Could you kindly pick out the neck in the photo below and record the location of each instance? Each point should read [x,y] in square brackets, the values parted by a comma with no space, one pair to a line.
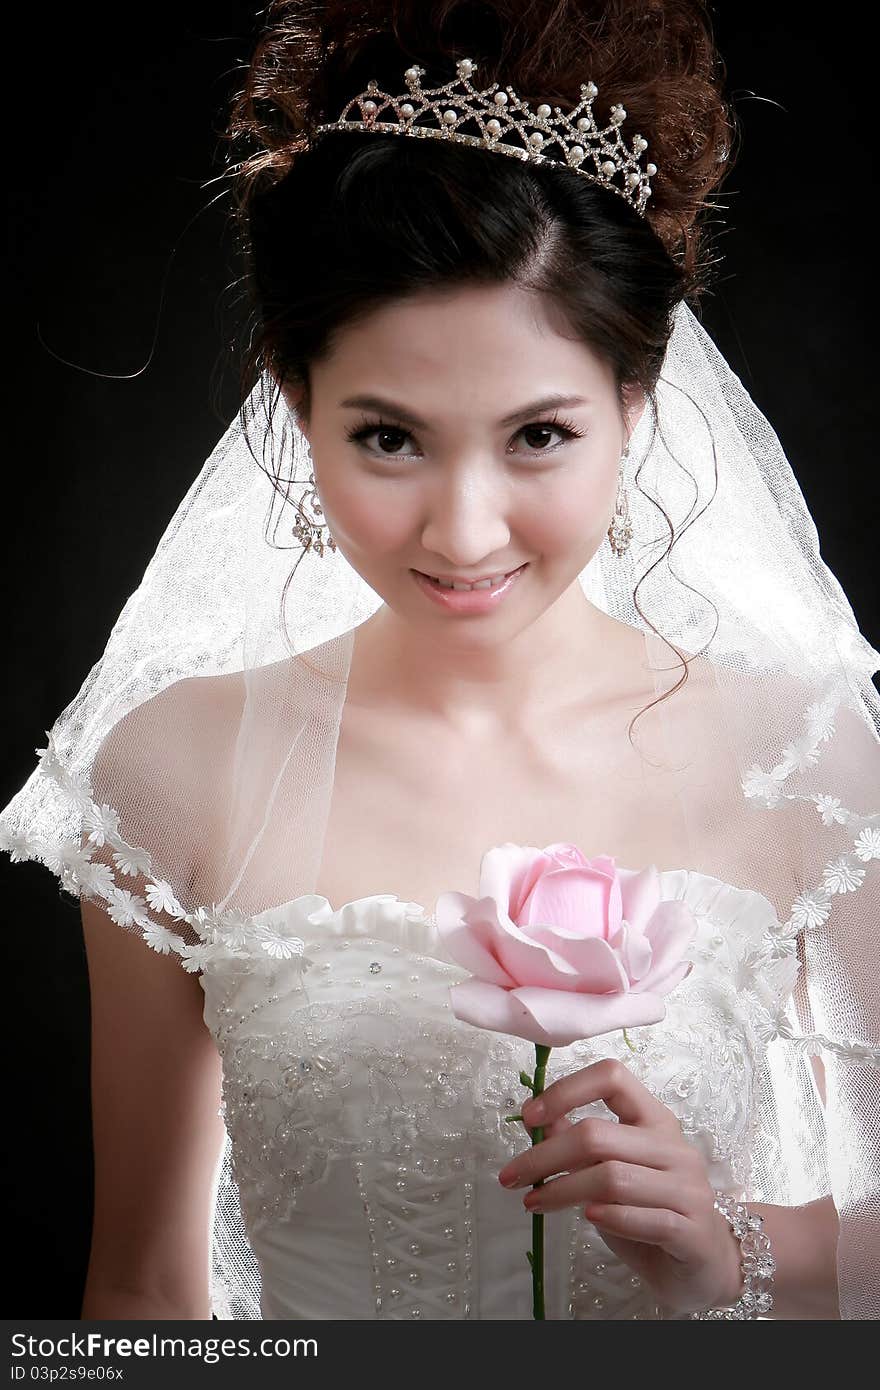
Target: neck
[572,651]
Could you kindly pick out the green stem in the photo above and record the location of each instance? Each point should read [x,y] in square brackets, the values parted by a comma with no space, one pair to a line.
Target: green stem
[537,1257]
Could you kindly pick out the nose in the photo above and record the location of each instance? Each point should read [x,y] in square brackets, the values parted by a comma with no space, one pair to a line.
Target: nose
[466,520]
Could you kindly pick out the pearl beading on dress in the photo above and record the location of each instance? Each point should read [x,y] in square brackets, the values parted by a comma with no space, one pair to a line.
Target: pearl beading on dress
[412,1234]
[434,1135]
[598,1285]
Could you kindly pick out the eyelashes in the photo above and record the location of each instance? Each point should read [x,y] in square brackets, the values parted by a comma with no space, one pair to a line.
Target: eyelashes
[358,433]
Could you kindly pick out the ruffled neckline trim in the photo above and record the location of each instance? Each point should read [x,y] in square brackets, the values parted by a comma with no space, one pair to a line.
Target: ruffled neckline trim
[385,916]
[743,917]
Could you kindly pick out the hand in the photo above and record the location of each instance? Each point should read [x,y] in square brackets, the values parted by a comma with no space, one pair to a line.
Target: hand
[642,1184]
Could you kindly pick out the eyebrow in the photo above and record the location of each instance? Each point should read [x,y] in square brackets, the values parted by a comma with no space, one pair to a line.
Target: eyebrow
[378,403]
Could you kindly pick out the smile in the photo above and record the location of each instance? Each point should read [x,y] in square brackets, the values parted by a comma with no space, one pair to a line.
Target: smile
[480,597]
[476,584]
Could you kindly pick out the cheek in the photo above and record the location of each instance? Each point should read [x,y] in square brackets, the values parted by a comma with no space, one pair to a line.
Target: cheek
[365,513]
[573,511]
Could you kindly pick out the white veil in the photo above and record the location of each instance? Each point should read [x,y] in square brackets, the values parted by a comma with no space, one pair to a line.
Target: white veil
[187,785]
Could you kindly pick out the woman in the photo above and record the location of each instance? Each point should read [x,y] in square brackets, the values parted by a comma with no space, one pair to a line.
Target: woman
[489,364]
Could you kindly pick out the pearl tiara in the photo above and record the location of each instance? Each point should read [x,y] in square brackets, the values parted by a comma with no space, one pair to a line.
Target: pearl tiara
[574,139]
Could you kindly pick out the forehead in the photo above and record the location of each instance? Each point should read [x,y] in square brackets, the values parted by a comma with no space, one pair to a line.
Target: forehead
[488,345]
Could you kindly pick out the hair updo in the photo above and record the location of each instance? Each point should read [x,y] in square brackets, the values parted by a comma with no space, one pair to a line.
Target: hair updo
[335,229]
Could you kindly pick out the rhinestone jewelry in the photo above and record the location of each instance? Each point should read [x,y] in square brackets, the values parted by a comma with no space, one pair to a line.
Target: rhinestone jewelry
[620,532]
[500,122]
[758,1265]
[308,530]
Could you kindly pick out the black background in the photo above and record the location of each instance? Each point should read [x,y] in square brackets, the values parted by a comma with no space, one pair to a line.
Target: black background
[112,138]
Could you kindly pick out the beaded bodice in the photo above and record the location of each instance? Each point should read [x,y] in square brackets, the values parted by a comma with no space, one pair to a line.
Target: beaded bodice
[368,1123]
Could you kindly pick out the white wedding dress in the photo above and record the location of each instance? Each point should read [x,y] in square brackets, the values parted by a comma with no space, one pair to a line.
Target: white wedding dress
[367,1123]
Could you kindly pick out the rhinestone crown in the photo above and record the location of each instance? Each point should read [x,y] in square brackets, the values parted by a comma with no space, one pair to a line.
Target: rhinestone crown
[497,120]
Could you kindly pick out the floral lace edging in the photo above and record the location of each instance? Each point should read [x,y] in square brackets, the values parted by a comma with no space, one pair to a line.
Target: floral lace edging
[221,932]
[843,873]
[229,932]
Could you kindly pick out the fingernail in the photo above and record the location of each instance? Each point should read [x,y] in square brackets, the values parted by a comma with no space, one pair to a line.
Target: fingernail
[534,1111]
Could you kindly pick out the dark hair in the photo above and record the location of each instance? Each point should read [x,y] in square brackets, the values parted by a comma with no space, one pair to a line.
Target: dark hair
[333,227]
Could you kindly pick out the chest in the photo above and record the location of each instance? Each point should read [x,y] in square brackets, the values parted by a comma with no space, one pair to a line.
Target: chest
[415,808]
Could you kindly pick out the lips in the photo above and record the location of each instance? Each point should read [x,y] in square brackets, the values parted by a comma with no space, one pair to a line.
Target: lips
[493,578]
[467,601]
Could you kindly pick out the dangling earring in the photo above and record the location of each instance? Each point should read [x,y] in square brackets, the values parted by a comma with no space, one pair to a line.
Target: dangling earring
[620,531]
[307,530]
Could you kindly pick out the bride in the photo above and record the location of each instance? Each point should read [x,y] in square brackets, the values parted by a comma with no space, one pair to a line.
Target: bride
[556,587]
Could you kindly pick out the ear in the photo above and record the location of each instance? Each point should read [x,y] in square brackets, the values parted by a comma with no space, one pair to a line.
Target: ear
[293,399]
[635,401]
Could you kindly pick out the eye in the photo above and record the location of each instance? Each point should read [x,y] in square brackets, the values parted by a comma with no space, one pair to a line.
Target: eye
[566,428]
[358,433]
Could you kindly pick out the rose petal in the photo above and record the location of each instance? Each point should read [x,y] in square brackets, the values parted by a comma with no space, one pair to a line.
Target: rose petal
[508,874]
[599,968]
[641,892]
[634,952]
[670,931]
[576,899]
[530,962]
[664,984]
[550,1016]
[605,863]
[500,953]
[467,934]
[566,855]
[487,1006]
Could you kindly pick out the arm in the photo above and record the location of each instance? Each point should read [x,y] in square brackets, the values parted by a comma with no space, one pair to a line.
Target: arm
[803,1242]
[158,1137]
[813,1254]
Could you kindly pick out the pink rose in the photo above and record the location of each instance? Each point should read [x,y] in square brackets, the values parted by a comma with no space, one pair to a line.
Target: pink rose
[562,947]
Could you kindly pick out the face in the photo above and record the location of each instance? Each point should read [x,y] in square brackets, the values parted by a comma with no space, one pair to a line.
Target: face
[453,469]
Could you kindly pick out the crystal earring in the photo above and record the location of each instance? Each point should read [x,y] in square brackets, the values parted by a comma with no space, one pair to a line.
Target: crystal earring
[620,531]
[307,530]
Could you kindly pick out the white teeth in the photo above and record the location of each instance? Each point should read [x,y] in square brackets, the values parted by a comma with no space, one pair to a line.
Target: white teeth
[481,584]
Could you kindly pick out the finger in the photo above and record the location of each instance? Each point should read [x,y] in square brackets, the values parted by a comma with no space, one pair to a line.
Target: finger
[555,1128]
[623,1184]
[558,1126]
[595,1140]
[651,1225]
[608,1080]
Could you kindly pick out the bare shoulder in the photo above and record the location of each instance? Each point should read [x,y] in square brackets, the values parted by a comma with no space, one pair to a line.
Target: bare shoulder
[186,715]
[713,682]
[181,766]
[160,768]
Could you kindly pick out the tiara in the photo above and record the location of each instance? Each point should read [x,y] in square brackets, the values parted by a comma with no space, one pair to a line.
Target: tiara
[573,139]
